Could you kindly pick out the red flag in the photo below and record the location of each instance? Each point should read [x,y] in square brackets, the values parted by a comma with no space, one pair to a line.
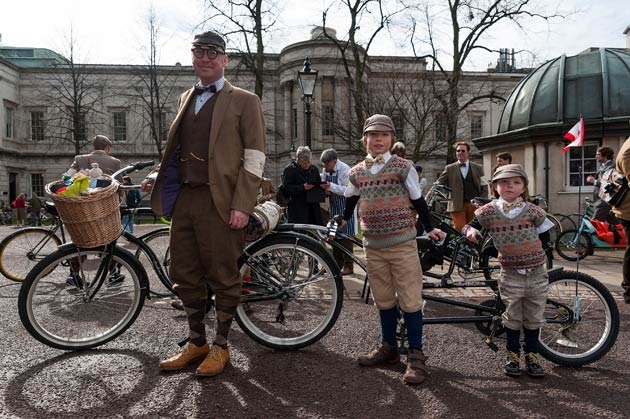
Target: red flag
[575,135]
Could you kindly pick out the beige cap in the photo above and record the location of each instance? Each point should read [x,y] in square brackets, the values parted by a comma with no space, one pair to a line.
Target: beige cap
[378,122]
[508,171]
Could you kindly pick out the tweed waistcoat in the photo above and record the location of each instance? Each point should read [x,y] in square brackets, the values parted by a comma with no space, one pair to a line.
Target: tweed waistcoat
[470,189]
[194,138]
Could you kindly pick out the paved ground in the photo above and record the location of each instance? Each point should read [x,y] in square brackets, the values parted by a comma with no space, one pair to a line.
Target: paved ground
[121,380]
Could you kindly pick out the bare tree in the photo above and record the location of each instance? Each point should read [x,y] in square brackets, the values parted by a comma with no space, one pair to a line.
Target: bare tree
[72,94]
[248,22]
[154,86]
[470,22]
[354,51]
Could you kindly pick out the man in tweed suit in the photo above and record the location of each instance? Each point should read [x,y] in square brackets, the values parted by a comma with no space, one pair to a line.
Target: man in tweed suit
[108,164]
[465,179]
[208,181]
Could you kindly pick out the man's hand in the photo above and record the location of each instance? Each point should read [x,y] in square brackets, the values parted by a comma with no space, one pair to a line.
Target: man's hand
[238,219]
[436,234]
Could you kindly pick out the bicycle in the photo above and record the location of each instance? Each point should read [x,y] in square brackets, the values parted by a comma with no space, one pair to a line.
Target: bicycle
[293,299]
[578,244]
[6,216]
[582,317]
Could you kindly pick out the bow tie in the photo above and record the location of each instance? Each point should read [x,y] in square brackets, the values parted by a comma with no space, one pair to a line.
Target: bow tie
[517,203]
[202,89]
[462,165]
[369,162]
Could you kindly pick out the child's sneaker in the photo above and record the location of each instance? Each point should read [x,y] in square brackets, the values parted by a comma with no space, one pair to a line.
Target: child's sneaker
[384,354]
[513,364]
[533,366]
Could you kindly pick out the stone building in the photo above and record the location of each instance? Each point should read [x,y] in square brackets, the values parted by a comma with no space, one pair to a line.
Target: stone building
[34,146]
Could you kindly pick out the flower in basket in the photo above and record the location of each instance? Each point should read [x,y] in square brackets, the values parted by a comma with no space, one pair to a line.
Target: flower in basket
[79,184]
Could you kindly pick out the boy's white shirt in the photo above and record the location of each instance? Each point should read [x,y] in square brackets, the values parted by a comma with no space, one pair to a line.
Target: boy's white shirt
[412,184]
[515,211]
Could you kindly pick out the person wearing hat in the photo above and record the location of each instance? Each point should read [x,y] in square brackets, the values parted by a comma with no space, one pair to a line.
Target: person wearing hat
[523,281]
[207,182]
[465,178]
[102,146]
[385,188]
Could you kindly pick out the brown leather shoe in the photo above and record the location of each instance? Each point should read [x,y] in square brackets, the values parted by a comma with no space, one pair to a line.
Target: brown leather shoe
[384,354]
[416,371]
[191,353]
[215,362]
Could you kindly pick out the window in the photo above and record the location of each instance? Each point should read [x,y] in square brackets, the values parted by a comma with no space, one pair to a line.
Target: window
[8,118]
[476,126]
[294,128]
[37,125]
[77,126]
[575,165]
[328,119]
[37,184]
[120,126]
[399,126]
[439,123]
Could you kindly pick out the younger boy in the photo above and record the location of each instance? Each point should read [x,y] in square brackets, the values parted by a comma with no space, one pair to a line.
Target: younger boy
[388,187]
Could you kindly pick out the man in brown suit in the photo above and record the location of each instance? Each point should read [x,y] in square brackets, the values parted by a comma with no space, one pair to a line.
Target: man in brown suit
[208,181]
[465,179]
[108,164]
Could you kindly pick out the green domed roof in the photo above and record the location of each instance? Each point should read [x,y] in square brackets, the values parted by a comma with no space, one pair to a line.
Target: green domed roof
[594,84]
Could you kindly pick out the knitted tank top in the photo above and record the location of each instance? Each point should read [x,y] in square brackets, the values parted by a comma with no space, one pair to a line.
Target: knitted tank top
[385,212]
[516,239]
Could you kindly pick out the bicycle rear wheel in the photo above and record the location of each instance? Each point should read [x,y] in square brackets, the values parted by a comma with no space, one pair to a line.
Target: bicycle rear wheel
[572,245]
[85,315]
[159,242]
[295,294]
[582,320]
[20,251]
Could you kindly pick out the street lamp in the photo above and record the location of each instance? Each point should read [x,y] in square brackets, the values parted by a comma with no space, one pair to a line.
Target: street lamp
[307,78]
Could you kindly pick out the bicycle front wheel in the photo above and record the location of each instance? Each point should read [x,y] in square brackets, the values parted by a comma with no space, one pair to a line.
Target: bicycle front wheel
[159,242]
[295,293]
[571,245]
[582,320]
[22,250]
[83,312]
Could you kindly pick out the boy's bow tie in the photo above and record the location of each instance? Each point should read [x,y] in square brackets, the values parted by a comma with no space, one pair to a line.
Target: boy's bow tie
[369,162]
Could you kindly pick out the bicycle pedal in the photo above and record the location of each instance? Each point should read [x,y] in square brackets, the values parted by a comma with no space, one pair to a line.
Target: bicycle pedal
[491,344]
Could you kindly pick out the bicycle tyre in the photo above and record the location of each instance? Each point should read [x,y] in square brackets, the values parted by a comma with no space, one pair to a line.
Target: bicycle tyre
[570,249]
[555,231]
[67,317]
[566,221]
[295,294]
[576,342]
[159,242]
[23,249]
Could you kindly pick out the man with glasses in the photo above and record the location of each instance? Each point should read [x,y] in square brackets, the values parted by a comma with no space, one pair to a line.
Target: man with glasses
[208,181]
[465,179]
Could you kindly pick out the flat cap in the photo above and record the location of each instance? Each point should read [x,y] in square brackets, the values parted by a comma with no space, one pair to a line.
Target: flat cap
[209,38]
[378,122]
[100,142]
[508,171]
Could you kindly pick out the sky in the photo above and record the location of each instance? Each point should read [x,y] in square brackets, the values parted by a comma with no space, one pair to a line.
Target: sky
[114,31]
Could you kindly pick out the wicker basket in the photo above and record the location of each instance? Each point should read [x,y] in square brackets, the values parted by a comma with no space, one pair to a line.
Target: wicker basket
[92,220]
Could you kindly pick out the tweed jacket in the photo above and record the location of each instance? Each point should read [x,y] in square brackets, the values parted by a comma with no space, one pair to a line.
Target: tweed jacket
[452,177]
[235,154]
[622,164]
[106,163]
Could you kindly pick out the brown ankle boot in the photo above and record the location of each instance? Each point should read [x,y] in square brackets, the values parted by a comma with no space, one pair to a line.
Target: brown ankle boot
[215,362]
[416,371]
[384,354]
[187,356]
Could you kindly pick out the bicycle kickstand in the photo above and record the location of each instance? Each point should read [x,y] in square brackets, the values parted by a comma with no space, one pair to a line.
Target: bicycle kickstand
[496,324]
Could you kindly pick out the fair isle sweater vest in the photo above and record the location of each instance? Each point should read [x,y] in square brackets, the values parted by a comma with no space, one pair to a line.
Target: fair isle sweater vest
[384,208]
[516,239]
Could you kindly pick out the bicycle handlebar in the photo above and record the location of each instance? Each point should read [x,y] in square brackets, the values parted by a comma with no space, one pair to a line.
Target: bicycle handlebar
[132,167]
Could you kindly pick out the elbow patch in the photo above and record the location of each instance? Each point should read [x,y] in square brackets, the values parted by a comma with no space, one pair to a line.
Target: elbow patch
[254,162]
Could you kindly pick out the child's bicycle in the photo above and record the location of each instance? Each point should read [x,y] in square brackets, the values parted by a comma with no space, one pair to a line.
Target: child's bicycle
[582,317]
[592,234]
[292,300]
